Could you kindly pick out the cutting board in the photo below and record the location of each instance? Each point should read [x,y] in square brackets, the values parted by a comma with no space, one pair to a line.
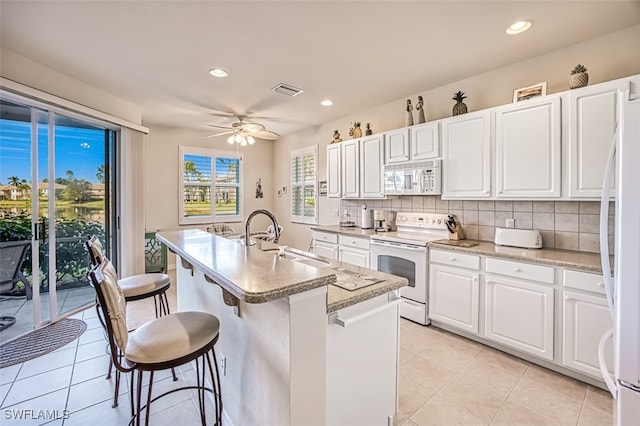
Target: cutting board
[457,243]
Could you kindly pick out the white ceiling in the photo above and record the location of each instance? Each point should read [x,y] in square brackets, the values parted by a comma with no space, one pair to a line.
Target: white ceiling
[156,54]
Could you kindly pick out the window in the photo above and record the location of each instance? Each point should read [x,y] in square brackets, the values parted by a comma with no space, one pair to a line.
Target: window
[210,186]
[304,185]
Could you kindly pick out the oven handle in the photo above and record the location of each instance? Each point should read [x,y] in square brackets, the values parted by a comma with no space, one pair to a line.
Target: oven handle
[398,245]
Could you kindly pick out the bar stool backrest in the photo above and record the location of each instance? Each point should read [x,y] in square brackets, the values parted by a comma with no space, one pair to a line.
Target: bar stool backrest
[96,252]
[112,303]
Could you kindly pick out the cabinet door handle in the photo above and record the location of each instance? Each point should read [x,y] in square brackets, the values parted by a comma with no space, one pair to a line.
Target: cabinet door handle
[517,270]
[453,259]
[600,284]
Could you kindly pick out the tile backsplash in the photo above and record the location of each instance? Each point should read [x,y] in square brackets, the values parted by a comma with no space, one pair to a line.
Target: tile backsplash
[569,225]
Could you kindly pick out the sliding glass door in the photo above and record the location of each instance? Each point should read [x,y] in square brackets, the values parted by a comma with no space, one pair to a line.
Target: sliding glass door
[55,191]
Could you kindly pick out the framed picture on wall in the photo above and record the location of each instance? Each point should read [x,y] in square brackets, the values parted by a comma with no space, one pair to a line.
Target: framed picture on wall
[322,187]
[530,92]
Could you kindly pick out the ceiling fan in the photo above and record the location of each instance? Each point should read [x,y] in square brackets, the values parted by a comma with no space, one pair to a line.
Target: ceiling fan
[245,133]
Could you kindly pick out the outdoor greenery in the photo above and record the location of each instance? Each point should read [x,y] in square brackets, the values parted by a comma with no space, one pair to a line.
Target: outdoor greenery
[72,261]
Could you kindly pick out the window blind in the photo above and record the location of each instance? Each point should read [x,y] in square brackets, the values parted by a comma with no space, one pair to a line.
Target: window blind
[304,185]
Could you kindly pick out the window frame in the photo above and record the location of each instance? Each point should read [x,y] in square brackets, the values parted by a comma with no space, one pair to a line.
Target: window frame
[213,217]
[296,153]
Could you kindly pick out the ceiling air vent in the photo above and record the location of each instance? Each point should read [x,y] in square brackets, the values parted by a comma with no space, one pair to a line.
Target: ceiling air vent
[287,90]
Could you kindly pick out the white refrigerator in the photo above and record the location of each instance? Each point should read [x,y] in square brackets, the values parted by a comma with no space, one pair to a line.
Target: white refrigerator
[623,283]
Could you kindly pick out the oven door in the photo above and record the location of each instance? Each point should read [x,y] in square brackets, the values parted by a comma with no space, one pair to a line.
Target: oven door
[405,260]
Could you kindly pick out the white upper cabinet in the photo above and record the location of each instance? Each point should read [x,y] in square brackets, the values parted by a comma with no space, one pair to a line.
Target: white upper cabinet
[351,168]
[466,156]
[425,141]
[590,127]
[334,171]
[396,145]
[528,149]
[371,168]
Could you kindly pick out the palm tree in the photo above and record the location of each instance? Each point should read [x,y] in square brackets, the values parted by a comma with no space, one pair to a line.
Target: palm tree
[14,181]
[100,174]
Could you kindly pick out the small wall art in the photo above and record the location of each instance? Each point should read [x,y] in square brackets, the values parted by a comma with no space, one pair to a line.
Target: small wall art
[322,188]
[529,92]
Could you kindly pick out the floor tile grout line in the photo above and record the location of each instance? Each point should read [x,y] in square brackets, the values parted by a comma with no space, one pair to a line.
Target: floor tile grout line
[508,398]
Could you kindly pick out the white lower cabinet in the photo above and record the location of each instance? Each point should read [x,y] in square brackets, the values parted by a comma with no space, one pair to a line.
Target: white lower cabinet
[355,396]
[454,290]
[353,250]
[325,244]
[585,319]
[519,314]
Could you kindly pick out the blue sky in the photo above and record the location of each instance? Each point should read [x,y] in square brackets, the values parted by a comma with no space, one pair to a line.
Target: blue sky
[78,149]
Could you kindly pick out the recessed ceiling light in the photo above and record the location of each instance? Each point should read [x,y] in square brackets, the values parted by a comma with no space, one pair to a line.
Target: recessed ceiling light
[217,72]
[326,102]
[519,27]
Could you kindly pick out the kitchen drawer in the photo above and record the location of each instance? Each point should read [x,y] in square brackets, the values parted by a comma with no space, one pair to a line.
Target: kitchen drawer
[524,271]
[361,243]
[454,258]
[583,281]
[327,237]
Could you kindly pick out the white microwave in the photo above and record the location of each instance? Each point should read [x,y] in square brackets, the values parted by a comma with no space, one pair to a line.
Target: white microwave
[416,178]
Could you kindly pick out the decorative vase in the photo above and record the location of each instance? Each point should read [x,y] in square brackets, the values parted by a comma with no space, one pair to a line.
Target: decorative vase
[580,79]
[368,131]
[459,108]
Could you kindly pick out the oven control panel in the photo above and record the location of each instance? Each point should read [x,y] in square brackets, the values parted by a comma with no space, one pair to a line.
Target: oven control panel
[421,220]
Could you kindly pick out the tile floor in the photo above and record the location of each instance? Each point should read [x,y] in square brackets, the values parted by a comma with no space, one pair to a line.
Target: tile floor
[444,380]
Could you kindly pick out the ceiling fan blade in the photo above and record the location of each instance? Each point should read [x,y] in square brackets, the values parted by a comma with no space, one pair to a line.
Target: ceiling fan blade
[265,134]
[248,127]
[221,127]
[221,134]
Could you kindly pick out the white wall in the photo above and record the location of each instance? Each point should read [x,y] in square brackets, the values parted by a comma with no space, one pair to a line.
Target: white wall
[33,74]
[608,57]
[162,175]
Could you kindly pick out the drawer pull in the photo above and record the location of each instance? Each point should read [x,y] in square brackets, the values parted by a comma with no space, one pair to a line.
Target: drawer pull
[517,270]
[453,259]
[600,284]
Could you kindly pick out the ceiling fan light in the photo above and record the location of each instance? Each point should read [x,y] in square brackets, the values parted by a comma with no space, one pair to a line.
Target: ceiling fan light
[230,140]
[218,72]
[519,27]
[239,138]
[244,142]
[251,140]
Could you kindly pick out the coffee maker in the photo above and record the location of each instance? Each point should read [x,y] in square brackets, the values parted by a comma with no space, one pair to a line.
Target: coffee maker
[384,220]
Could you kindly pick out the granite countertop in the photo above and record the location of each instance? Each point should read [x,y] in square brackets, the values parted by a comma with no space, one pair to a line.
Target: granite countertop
[256,276]
[565,258]
[584,261]
[352,231]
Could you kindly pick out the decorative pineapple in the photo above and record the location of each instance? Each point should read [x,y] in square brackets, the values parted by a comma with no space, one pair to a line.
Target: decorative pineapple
[578,77]
[460,107]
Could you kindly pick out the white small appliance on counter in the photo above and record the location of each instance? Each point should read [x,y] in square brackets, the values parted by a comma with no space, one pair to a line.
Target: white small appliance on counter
[522,238]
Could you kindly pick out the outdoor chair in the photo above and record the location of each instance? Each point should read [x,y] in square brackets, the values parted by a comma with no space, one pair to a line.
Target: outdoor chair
[165,342]
[12,255]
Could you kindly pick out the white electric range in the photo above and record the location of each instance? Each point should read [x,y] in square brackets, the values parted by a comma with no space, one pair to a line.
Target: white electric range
[405,253]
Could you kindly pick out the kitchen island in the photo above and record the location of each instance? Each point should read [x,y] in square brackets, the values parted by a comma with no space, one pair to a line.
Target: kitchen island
[294,347]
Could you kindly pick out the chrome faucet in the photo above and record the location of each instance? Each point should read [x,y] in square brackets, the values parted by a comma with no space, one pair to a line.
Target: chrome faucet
[247,234]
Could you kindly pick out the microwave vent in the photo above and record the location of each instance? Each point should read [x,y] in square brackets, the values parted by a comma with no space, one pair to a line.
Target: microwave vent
[417,165]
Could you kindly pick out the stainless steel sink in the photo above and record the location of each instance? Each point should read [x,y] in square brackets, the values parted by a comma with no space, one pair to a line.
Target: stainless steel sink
[299,256]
